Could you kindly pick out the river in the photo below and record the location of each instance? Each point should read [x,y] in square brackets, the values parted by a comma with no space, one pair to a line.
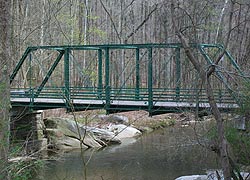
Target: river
[164,154]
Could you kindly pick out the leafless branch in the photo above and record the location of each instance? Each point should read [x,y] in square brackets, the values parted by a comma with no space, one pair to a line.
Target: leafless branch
[216,62]
[39,26]
[184,42]
[141,24]
[111,19]
[130,4]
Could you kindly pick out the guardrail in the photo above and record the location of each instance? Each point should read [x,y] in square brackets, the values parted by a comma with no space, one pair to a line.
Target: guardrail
[125,94]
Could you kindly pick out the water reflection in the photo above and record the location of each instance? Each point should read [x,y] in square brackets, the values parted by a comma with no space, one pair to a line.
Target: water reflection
[165,154]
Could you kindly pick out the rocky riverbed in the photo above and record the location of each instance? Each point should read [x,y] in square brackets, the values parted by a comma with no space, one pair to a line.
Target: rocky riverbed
[94,129]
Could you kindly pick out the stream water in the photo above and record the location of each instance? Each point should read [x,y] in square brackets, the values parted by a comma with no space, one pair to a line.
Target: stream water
[162,155]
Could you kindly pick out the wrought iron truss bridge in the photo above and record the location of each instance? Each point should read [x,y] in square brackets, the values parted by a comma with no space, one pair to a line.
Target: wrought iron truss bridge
[157,78]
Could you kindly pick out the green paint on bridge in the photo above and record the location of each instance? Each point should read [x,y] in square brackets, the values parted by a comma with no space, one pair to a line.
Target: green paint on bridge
[141,94]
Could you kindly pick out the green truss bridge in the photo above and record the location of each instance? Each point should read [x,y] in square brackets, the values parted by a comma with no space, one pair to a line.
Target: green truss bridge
[157,78]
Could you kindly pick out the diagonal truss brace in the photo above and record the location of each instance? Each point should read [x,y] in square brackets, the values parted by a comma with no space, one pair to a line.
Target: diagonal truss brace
[46,78]
[219,75]
[20,63]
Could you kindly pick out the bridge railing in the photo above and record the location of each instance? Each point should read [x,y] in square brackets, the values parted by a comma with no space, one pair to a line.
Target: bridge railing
[124,94]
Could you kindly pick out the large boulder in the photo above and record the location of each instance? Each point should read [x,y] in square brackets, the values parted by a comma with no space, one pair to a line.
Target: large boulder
[103,136]
[122,131]
[57,140]
[67,134]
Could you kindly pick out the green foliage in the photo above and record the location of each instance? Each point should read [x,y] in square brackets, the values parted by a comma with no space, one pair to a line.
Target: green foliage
[98,32]
[240,143]
[3,86]
[24,170]
[162,123]
[101,111]
[172,122]
[91,74]
[71,30]
[75,37]
[245,99]
[93,17]
[238,140]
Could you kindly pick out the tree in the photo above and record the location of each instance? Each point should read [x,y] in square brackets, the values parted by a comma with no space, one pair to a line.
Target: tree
[220,147]
[4,84]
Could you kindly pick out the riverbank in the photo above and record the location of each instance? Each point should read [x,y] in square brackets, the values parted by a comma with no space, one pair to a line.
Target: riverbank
[142,121]
[104,130]
[138,119]
[94,129]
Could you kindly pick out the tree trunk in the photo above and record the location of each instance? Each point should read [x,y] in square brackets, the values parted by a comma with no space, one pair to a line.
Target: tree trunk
[42,38]
[222,142]
[221,145]
[4,85]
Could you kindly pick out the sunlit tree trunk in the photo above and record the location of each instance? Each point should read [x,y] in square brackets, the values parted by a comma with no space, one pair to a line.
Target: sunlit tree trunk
[43,22]
[219,28]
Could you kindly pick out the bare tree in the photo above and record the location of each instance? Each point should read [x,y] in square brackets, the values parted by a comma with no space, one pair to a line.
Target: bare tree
[220,147]
[4,84]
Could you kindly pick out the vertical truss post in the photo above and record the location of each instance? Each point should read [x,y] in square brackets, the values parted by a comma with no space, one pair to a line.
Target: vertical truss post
[137,69]
[178,73]
[150,82]
[30,71]
[107,85]
[31,105]
[99,89]
[31,91]
[66,77]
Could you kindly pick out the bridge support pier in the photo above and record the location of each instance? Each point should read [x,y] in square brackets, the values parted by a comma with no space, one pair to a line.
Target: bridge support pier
[26,130]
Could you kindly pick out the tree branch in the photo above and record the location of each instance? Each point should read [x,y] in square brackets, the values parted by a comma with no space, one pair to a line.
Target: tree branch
[129,5]
[140,25]
[212,68]
[185,44]
[111,19]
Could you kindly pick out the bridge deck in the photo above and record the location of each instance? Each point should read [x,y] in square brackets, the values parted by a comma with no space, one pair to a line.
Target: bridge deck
[115,105]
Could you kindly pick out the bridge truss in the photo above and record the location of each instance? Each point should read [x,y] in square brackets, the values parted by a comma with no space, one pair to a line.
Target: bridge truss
[157,78]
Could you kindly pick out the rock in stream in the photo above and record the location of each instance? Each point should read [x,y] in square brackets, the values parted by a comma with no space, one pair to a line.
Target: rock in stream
[66,134]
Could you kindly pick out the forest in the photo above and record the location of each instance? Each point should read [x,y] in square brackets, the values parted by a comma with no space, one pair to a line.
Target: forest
[83,22]
[26,23]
